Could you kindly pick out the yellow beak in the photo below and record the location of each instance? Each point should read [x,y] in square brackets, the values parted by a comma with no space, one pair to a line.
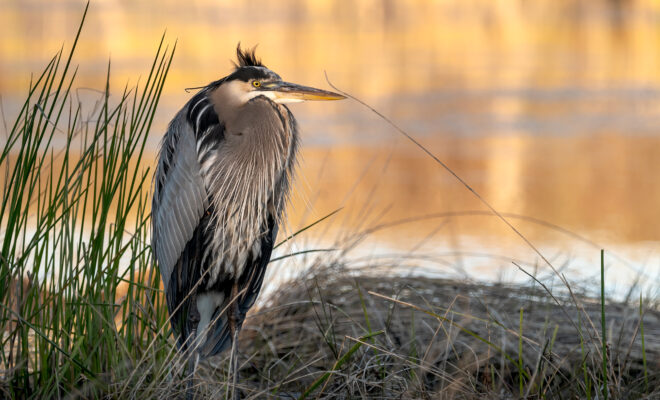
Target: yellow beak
[286,92]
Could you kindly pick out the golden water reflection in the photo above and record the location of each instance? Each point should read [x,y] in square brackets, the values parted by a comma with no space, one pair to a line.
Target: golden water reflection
[591,185]
[549,109]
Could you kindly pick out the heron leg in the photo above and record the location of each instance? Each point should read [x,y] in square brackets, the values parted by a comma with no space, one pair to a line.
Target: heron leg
[193,362]
[234,328]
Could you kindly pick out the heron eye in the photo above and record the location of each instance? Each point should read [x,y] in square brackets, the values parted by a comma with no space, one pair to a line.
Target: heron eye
[256,83]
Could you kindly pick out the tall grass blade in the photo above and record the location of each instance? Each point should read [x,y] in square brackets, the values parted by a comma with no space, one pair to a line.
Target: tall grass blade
[603,322]
[641,329]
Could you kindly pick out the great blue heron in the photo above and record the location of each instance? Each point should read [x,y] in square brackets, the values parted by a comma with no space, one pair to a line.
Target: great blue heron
[223,177]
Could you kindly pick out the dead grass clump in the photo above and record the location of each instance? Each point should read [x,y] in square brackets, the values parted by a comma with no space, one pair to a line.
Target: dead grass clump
[434,338]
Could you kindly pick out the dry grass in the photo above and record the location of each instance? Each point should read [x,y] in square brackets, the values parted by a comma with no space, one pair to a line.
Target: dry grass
[440,339]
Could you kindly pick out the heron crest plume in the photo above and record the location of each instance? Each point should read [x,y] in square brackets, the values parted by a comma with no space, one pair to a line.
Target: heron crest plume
[247,57]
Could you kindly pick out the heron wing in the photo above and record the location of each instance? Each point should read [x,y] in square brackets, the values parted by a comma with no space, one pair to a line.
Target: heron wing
[187,276]
[181,208]
[180,197]
[253,276]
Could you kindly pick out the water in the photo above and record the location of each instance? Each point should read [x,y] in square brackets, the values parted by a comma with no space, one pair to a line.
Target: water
[549,111]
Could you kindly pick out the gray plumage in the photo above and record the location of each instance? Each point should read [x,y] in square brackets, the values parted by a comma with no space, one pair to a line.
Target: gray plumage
[222,181]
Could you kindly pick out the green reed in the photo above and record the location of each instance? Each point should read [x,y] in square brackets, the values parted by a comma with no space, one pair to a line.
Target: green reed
[74,231]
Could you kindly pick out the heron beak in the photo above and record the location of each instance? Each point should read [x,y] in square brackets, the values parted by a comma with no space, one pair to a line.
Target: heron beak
[285,92]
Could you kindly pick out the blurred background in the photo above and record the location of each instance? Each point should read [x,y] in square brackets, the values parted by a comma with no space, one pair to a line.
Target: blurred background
[550,109]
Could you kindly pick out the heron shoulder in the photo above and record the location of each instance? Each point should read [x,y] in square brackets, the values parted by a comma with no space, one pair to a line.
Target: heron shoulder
[200,113]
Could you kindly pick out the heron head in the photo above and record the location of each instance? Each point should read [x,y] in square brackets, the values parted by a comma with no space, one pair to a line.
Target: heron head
[251,79]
